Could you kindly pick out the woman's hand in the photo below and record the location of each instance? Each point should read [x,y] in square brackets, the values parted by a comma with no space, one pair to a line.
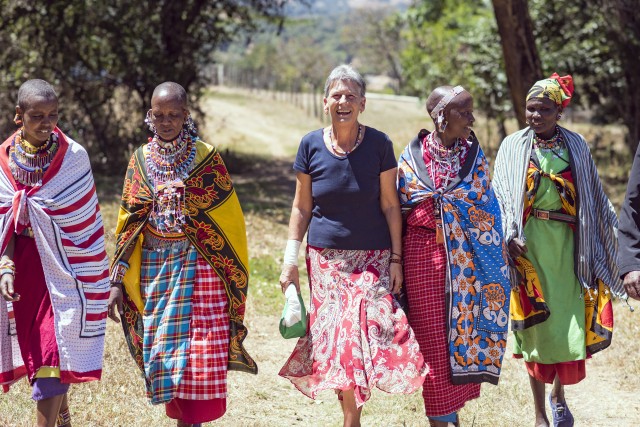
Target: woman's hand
[632,284]
[395,277]
[6,288]
[290,274]
[115,302]
[517,248]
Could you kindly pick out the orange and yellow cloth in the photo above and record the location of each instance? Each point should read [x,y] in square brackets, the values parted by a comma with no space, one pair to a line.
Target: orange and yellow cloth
[214,225]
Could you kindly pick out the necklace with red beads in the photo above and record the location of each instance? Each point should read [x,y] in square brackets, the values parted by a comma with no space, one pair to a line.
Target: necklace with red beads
[555,142]
[168,165]
[444,161]
[27,162]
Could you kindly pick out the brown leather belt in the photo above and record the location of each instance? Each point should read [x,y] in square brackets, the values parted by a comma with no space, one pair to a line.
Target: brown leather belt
[554,216]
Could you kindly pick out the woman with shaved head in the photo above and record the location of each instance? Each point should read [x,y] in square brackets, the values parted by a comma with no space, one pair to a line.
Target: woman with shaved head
[180,273]
[54,266]
[455,263]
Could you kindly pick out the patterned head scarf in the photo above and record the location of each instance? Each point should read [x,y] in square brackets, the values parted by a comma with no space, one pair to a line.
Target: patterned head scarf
[556,88]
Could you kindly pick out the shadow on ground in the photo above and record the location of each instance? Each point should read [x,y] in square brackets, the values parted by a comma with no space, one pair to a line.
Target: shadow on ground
[264,184]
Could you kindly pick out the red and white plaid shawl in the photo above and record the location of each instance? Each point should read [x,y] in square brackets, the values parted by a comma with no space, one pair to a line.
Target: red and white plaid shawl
[69,235]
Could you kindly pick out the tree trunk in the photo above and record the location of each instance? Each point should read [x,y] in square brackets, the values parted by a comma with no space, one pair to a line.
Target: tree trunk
[522,63]
[624,29]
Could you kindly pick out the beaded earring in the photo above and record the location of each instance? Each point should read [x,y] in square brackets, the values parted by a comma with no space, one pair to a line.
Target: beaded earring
[17,120]
[441,123]
[148,120]
[190,126]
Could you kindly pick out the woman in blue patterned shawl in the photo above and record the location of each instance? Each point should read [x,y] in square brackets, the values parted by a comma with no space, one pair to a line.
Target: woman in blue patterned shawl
[455,265]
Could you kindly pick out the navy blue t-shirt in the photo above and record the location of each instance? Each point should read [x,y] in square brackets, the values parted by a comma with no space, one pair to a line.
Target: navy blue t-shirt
[346,191]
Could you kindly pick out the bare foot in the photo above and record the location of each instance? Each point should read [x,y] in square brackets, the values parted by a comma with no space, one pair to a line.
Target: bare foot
[542,422]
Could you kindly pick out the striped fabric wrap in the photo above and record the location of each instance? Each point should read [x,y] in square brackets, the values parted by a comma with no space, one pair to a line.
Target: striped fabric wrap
[597,227]
[69,234]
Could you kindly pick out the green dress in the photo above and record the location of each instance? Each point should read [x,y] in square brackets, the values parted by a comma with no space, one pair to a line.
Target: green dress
[561,338]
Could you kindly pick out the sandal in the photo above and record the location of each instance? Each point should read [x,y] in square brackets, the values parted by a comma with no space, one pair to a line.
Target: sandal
[64,418]
[562,416]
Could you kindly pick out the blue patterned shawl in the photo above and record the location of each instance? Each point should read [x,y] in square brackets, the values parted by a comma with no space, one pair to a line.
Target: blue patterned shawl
[477,280]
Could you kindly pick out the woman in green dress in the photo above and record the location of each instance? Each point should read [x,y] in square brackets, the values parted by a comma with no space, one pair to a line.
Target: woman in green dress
[560,228]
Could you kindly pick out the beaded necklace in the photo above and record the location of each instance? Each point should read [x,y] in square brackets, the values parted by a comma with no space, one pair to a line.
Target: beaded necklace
[343,153]
[173,160]
[555,141]
[444,161]
[29,163]
[555,144]
[168,165]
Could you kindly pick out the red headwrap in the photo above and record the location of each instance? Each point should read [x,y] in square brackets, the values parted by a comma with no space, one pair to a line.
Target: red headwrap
[566,83]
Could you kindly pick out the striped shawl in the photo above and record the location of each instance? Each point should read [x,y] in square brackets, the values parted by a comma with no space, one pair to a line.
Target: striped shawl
[597,227]
[69,235]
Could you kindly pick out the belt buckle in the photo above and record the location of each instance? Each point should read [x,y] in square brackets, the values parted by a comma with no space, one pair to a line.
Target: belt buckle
[544,215]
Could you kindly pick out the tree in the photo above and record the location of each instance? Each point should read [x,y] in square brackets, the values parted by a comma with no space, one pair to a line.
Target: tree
[107,56]
[456,42]
[375,39]
[521,60]
[624,30]
[603,55]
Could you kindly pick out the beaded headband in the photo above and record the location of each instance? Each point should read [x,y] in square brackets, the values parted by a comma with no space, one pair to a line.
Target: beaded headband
[446,100]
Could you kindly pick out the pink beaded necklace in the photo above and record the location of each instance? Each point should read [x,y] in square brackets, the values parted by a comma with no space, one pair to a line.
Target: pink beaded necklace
[444,161]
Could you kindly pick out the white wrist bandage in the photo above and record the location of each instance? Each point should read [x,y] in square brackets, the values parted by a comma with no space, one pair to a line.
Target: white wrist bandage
[291,252]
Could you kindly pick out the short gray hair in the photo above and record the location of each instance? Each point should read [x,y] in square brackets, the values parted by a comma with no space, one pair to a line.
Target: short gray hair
[345,72]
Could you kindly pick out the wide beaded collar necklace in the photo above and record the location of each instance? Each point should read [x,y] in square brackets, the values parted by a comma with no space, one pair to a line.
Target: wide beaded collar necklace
[27,162]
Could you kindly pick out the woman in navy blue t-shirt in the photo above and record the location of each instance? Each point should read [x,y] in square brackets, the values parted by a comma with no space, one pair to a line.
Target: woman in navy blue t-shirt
[346,197]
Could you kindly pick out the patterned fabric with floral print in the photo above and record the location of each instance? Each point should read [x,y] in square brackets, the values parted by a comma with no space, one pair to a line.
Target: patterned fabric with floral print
[478,274]
[358,337]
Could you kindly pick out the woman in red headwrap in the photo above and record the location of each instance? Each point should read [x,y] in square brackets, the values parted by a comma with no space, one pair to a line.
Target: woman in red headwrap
[560,227]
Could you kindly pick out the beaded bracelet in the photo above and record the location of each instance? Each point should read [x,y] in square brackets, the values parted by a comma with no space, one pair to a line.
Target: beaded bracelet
[117,273]
[395,261]
[7,266]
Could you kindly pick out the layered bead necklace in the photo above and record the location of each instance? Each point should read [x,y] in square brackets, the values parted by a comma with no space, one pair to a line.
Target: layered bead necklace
[555,144]
[168,165]
[444,162]
[343,153]
[27,162]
